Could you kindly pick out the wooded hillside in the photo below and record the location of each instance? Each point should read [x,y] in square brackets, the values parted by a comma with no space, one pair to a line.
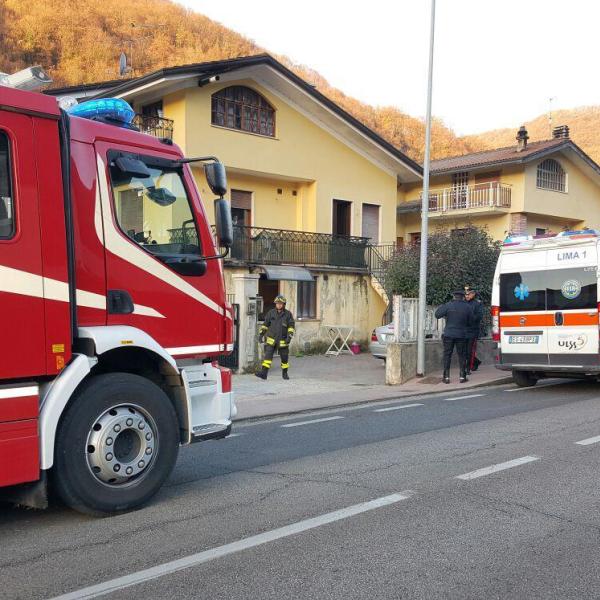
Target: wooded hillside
[79,41]
[583,122]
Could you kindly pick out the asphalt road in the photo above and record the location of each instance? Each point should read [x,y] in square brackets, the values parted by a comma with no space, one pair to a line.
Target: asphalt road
[484,494]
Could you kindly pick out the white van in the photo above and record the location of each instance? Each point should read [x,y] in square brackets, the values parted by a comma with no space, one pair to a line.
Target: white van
[545,306]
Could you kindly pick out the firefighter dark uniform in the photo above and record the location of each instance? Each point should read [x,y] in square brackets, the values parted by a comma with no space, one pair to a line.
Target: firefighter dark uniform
[278,330]
[472,361]
[459,318]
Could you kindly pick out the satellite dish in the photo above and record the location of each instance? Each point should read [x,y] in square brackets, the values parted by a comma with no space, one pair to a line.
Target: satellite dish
[123,70]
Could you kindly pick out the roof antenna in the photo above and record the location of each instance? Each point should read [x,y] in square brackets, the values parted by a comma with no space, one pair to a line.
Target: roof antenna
[550,113]
[124,68]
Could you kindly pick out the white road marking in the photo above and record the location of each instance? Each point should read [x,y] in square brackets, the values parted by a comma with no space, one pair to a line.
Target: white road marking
[499,467]
[588,441]
[120,583]
[535,387]
[396,407]
[462,397]
[232,435]
[312,421]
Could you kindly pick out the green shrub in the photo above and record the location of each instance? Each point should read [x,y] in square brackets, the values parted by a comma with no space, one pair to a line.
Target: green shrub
[455,259]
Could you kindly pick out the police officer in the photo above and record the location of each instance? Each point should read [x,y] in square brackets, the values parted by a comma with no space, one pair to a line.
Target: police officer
[459,317]
[471,297]
[278,329]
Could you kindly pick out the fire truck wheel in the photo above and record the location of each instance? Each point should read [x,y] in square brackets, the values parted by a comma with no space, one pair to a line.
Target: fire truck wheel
[524,378]
[116,444]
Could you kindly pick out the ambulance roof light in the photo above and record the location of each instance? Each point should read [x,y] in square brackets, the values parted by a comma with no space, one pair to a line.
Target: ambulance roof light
[579,233]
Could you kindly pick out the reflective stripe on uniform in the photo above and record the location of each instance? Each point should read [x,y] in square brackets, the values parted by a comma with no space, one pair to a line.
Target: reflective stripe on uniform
[271,341]
[282,344]
[267,363]
[291,330]
[285,365]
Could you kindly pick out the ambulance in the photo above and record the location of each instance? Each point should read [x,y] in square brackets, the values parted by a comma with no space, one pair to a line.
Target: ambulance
[545,306]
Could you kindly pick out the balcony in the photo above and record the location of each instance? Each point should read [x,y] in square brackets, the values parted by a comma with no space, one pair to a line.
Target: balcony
[261,245]
[153,125]
[480,198]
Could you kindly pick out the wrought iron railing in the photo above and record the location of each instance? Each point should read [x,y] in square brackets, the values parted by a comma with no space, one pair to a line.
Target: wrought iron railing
[481,195]
[157,126]
[263,245]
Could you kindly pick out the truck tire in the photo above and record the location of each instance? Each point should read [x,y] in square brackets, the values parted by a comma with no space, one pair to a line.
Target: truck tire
[116,444]
[524,378]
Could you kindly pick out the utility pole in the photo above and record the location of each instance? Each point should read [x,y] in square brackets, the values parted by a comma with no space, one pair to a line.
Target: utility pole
[425,210]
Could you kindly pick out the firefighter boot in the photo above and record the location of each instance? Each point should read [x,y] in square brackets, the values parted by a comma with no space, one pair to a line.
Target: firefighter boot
[463,376]
[446,377]
[284,374]
[262,373]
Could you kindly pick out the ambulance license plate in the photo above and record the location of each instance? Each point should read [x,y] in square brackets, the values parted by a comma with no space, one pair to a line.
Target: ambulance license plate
[523,339]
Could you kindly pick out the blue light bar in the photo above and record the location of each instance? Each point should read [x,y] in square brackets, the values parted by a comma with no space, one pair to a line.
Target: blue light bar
[109,109]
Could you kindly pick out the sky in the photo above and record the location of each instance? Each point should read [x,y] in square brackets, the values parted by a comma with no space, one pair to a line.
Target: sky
[497,62]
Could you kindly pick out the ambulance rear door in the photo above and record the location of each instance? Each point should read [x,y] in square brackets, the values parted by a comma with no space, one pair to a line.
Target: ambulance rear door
[523,317]
[572,304]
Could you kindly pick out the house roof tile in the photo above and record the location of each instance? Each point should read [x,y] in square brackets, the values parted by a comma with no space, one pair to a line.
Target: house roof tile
[497,156]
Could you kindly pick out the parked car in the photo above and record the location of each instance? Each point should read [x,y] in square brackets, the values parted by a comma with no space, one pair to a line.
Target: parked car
[379,339]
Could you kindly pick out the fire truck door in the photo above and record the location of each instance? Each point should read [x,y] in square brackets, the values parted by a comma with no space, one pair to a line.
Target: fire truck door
[21,283]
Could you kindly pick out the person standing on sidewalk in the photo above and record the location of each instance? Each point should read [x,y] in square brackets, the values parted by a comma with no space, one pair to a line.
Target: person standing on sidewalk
[471,297]
[459,317]
[278,329]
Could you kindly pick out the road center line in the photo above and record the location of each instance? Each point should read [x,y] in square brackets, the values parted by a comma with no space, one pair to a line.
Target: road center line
[462,397]
[396,407]
[113,585]
[312,421]
[498,467]
[588,441]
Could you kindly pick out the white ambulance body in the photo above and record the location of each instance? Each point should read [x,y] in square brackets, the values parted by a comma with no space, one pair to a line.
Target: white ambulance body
[545,306]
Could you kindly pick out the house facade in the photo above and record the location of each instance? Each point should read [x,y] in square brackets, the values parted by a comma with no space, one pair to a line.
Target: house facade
[313,191]
[529,188]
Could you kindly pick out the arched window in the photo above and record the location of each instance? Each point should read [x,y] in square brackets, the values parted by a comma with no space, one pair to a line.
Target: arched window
[551,176]
[239,107]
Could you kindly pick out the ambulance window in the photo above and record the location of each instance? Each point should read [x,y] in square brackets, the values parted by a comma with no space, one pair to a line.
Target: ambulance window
[571,288]
[7,218]
[522,291]
[154,211]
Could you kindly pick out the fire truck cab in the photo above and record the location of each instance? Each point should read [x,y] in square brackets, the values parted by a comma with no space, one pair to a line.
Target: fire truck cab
[112,305]
[545,306]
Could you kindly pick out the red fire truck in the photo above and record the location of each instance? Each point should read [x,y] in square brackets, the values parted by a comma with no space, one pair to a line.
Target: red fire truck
[112,305]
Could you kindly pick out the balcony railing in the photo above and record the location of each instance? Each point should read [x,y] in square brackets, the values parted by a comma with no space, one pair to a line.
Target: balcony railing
[262,245]
[157,126]
[481,195]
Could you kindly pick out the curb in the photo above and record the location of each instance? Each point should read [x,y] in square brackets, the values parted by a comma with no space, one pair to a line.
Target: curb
[495,382]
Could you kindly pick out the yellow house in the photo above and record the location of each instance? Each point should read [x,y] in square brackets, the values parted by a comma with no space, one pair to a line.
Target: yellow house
[528,188]
[311,188]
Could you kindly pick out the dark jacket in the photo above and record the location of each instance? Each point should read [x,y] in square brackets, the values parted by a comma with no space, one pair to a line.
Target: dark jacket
[477,309]
[278,325]
[459,318]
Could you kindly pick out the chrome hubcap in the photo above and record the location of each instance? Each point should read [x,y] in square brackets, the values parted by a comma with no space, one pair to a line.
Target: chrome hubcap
[121,444]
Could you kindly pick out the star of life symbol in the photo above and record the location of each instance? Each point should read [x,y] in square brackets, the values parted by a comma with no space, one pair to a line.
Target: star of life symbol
[521,291]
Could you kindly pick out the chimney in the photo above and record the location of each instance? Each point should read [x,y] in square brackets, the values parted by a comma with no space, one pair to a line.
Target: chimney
[522,137]
[561,132]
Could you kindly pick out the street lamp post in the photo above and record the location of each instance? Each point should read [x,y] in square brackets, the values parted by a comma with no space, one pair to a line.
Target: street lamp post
[425,210]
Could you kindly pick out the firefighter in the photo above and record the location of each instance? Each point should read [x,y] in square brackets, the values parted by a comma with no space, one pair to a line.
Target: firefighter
[278,329]
[471,297]
[459,317]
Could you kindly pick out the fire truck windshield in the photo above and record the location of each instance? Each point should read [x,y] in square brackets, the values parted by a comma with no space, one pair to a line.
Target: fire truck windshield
[155,211]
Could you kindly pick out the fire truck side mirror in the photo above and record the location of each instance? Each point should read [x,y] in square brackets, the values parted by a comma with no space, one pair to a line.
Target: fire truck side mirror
[216,178]
[224,225]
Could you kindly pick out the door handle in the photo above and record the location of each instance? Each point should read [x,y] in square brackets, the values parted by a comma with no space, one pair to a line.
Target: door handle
[558,318]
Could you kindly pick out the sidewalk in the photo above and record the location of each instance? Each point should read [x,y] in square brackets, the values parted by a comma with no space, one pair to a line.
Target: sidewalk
[326,381]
